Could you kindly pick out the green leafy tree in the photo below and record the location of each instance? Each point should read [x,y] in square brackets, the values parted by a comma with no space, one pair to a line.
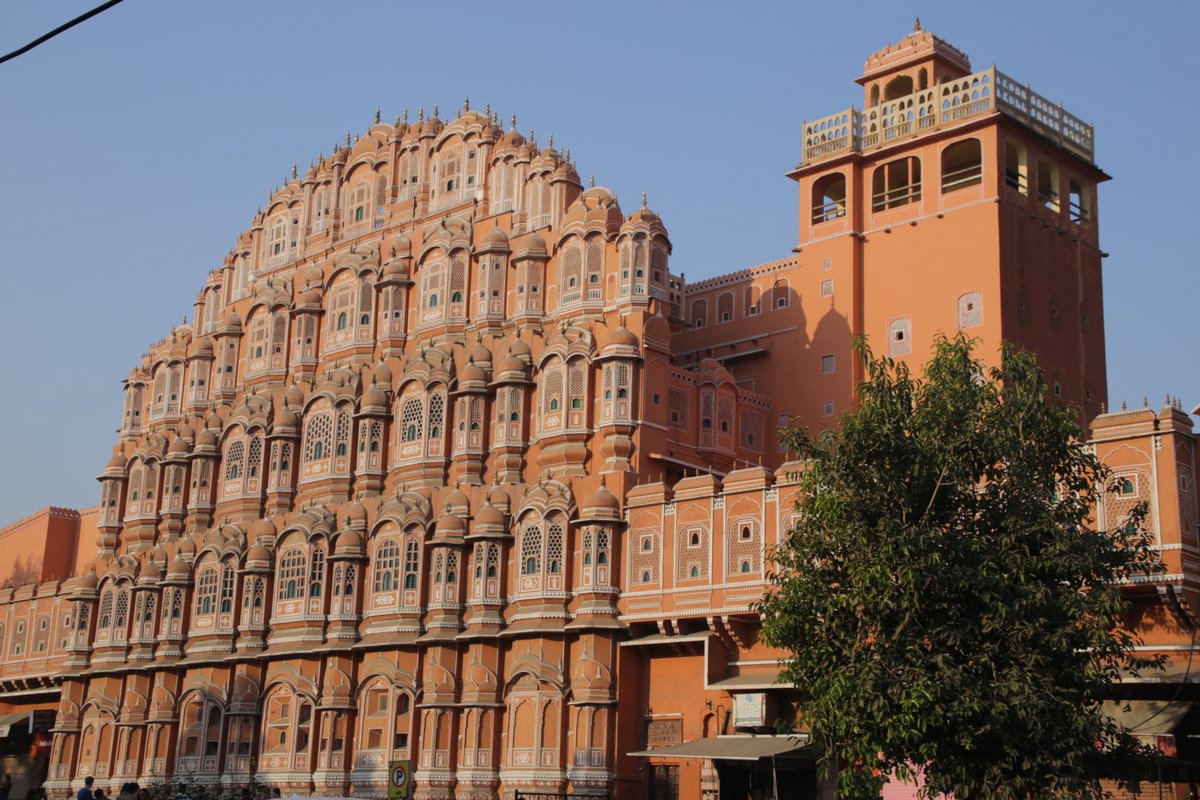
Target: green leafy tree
[946,604]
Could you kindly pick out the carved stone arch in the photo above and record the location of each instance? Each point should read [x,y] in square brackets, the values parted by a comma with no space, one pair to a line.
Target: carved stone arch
[337,686]
[439,680]
[480,679]
[133,703]
[285,674]
[540,671]
[547,497]
[745,507]
[245,691]
[200,684]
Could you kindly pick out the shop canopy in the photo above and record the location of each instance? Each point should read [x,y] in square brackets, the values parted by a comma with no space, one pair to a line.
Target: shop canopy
[1147,717]
[732,748]
[10,723]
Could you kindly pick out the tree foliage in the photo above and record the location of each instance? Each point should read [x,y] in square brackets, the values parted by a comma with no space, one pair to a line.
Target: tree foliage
[946,605]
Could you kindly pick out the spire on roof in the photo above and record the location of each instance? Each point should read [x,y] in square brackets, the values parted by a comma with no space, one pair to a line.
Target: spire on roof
[377,117]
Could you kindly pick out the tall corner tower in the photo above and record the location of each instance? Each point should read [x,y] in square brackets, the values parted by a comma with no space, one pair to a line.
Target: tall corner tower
[957,200]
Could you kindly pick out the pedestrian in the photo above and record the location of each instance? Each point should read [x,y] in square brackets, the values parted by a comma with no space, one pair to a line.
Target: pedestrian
[100,795]
[86,792]
[5,785]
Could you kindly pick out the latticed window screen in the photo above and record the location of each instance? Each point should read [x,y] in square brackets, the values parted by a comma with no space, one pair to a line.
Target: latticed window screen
[206,591]
[227,579]
[645,558]
[970,310]
[575,382]
[387,566]
[552,388]
[725,307]
[458,276]
[291,574]
[828,364]
[343,433]
[278,332]
[743,549]
[412,562]
[677,406]
[572,271]
[531,549]
[366,300]
[900,337]
[254,461]
[691,554]
[1126,491]
[316,572]
[725,415]
[595,260]
[318,439]
[554,546]
[411,420]
[752,430]
[234,460]
[437,414]
[121,612]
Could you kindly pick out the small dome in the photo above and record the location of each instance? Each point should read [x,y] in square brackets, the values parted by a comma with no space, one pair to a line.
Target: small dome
[498,497]
[286,418]
[206,438]
[471,374]
[489,515]
[313,277]
[349,543]
[480,354]
[450,525]
[511,139]
[373,396]
[457,499]
[159,556]
[520,348]
[262,528]
[622,336]
[401,244]
[601,499]
[258,557]
[202,348]
[214,421]
[356,512]
[533,245]
[179,570]
[233,322]
[150,572]
[179,445]
[187,548]
[383,374]
[294,396]
[310,297]
[496,237]
[512,364]
[89,581]
[116,462]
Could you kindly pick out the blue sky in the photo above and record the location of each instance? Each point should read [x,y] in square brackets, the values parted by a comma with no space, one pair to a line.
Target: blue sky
[138,145]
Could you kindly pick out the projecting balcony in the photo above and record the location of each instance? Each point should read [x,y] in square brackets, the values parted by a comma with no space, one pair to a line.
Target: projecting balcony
[943,106]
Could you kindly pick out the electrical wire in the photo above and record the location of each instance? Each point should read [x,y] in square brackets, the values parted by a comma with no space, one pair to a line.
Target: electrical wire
[64,27]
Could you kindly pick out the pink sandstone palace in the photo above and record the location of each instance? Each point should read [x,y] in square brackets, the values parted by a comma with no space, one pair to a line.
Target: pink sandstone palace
[452,467]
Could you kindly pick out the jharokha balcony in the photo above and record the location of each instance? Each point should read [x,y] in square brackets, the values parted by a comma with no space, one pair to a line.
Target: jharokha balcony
[945,105]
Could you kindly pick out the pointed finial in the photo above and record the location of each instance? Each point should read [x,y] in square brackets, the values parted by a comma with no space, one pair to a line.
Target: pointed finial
[1145,401]
[532,139]
[513,123]
[406,116]
[396,124]
[435,111]
[487,110]
[643,199]
[356,138]
[293,170]
[377,116]
[320,156]
[592,182]
[550,141]
[421,114]
[567,155]
[917,26]
[347,138]
[466,104]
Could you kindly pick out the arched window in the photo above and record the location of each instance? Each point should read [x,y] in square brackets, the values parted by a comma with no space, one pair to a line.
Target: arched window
[829,197]
[699,313]
[1016,166]
[387,566]
[316,571]
[412,562]
[292,563]
[896,183]
[1047,178]
[900,337]
[970,310]
[725,307]
[962,165]
[206,591]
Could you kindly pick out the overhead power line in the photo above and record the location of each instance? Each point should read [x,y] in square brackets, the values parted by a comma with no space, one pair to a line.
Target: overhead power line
[64,27]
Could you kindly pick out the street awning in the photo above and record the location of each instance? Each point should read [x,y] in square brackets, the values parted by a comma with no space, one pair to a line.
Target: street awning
[10,722]
[731,748]
[1147,717]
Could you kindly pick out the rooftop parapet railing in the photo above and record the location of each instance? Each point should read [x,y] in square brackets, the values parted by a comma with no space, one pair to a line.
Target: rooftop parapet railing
[942,106]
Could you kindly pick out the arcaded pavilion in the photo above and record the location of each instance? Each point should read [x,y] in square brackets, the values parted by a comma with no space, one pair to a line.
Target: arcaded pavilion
[451,465]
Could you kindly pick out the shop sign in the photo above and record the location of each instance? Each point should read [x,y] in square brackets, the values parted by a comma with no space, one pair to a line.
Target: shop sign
[750,710]
[663,733]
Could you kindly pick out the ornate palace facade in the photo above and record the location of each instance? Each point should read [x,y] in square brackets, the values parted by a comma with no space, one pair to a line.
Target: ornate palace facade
[450,466]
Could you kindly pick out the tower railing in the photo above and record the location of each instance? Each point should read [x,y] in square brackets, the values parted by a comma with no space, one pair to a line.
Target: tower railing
[942,106]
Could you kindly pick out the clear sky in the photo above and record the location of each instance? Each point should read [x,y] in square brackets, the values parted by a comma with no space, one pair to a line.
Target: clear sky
[137,146]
